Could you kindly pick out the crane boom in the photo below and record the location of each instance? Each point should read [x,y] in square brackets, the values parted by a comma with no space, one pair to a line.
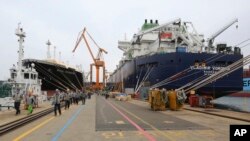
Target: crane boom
[87,44]
[211,39]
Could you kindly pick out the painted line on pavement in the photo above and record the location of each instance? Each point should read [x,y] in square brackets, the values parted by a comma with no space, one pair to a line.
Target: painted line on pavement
[146,134]
[58,134]
[153,127]
[33,129]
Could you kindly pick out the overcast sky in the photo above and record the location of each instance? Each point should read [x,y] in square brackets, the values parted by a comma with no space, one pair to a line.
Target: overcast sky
[107,21]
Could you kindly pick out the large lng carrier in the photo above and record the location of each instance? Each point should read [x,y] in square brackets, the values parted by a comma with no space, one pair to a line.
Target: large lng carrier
[172,55]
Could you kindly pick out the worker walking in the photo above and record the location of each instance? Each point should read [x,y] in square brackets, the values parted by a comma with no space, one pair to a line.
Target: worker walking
[67,99]
[106,96]
[70,97]
[83,97]
[89,95]
[30,102]
[17,98]
[77,97]
[74,97]
[56,102]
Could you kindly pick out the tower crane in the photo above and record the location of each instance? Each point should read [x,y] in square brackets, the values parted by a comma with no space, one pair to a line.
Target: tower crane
[97,61]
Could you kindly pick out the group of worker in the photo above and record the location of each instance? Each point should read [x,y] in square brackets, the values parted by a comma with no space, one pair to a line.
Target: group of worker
[30,100]
[68,97]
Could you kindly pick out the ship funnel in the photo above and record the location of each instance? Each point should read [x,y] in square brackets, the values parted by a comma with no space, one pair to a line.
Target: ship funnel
[146,21]
[151,21]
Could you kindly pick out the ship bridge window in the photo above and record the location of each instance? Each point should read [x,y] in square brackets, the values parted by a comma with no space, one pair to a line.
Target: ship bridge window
[13,75]
[26,75]
[34,76]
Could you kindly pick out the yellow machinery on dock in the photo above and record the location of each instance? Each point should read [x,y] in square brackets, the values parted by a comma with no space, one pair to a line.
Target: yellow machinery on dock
[162,99]
[156,100]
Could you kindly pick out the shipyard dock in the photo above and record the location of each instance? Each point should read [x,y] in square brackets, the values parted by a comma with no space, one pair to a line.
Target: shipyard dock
[107,119]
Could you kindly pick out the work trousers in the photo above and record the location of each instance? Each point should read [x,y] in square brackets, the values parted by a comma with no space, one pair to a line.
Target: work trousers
[57,107]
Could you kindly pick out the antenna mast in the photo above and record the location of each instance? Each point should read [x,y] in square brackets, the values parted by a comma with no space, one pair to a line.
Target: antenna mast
[21,34]
[48,51]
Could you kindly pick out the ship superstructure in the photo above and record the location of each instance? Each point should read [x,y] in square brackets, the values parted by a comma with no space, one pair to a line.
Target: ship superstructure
[158,52]
[22,78]
[155,38]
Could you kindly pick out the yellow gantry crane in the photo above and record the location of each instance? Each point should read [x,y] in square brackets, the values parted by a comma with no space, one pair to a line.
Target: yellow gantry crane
[98,60]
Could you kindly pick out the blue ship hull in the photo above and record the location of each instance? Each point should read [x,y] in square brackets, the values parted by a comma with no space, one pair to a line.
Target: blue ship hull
[168,64]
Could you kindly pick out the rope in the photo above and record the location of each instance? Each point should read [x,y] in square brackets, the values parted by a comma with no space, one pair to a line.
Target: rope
[78,80]
[144,79]
[53,83]
[138,79]
[55,78]
[166,81]
[51,77]
[229,69]
[69,81]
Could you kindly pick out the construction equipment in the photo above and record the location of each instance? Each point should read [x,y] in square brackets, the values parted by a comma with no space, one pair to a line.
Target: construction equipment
[98,60]
[157,100]
[162,99]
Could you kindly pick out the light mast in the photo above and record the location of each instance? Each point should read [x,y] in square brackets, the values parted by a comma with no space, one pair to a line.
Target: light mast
[21,34]
[48,51]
